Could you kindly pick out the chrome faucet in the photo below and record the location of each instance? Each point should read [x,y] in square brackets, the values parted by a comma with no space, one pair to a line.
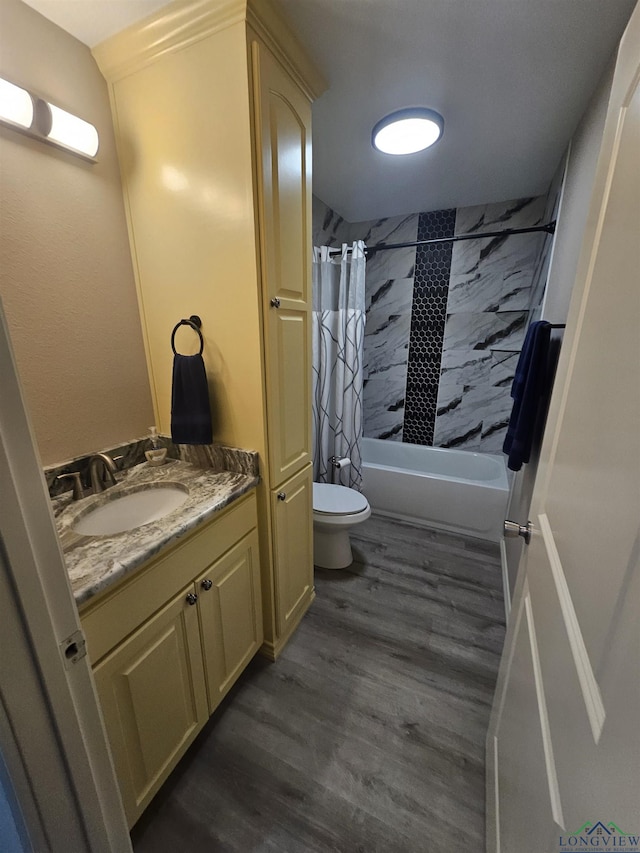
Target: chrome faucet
[107,478]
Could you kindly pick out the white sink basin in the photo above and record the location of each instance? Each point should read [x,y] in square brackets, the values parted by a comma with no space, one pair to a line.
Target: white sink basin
[131,509]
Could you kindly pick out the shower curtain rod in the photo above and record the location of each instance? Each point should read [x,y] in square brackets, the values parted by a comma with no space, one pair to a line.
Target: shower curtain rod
[549,228]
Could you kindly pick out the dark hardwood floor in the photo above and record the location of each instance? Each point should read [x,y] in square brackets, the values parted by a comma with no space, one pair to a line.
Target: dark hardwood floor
[367,735]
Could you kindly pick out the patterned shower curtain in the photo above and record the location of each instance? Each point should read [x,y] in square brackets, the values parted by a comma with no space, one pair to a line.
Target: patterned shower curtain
[338,346]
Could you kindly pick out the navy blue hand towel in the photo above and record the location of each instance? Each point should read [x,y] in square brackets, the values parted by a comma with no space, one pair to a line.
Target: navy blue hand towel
[529,391]
[190,409]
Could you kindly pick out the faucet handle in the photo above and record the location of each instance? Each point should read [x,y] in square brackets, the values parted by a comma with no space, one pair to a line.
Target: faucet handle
[78,491]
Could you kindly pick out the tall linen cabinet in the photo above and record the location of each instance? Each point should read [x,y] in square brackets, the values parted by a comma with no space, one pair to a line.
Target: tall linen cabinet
[211,103]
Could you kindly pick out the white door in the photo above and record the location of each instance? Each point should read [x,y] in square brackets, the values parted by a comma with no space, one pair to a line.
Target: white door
[564,741]
[56,776]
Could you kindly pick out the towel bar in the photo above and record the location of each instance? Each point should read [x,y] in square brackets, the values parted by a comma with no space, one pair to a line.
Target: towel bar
[195,322]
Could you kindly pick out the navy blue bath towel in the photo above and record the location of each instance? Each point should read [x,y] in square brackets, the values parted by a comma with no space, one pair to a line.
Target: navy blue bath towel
[530,391]
[190,409]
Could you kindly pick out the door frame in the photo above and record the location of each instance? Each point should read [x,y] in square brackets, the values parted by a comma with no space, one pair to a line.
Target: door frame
[51,732]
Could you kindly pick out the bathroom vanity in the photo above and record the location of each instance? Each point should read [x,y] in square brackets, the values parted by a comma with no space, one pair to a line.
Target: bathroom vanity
[211,104]
[172,614]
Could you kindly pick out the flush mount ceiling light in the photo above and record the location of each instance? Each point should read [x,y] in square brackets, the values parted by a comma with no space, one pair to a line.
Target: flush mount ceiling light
[29,114]
[407,131]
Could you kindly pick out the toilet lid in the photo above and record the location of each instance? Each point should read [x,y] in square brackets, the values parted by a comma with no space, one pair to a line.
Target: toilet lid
[337,500]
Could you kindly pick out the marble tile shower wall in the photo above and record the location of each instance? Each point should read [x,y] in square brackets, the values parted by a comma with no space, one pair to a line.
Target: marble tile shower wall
[445,324]
[490,292]
[389,297]
[328,227]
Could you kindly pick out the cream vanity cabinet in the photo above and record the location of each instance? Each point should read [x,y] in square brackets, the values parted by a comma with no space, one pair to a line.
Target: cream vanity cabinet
[294,581]
[283,146]
[211,105]
[168,642]
[283,150]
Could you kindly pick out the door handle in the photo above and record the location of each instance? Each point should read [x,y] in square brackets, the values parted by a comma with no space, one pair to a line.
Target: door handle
[512,528]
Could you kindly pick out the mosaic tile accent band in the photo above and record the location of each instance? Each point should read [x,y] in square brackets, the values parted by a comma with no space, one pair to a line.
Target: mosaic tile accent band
[428,317]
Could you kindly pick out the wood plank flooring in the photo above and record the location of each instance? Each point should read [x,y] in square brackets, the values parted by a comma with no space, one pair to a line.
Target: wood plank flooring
[367,735]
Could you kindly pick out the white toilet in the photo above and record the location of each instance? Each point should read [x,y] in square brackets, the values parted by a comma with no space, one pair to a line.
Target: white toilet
[336,509]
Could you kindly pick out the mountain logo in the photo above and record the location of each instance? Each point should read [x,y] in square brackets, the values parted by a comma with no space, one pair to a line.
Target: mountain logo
[596,835]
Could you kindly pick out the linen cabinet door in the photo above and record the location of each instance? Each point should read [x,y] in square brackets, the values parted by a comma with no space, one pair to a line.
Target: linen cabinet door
[153,697]
[231,616]
[283,139]
[291,510]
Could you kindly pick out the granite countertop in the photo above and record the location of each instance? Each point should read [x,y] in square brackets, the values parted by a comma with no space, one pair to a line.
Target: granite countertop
[96,562]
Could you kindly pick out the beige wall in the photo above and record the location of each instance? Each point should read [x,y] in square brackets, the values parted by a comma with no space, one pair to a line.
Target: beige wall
[66,279]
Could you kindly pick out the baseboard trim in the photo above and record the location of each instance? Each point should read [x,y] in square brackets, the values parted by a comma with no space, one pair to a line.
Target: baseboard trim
[431,525]
[271,649]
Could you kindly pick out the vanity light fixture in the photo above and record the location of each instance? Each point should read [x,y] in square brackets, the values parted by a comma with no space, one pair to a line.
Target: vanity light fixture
[16,105]
[26,112]
[407,131]
[72,132]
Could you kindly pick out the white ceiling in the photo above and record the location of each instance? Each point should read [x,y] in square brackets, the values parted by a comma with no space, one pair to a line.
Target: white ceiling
[92,21]
[510,77]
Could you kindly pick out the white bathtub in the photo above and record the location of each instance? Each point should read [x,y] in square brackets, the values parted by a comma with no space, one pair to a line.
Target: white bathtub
[454,490]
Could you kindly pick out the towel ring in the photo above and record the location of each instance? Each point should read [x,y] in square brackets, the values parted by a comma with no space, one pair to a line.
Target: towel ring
[195,322]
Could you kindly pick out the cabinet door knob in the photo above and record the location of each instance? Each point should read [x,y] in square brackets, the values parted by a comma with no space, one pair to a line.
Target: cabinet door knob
[282,496]
[275,302]
[206,583]
[192,598]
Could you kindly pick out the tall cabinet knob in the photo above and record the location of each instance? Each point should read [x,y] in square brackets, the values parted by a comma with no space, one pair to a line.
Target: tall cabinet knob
[206,583]
[192,598]
[282,496]
[275,302]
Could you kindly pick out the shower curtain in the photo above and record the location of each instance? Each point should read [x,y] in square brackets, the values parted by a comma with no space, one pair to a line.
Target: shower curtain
[338,345]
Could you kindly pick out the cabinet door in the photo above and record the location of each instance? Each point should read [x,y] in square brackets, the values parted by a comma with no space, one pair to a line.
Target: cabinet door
[293,548]
[153,698]
[283,138]
[231,616]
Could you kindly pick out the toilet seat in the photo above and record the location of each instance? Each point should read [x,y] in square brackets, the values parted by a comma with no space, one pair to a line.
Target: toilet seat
[334,500]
